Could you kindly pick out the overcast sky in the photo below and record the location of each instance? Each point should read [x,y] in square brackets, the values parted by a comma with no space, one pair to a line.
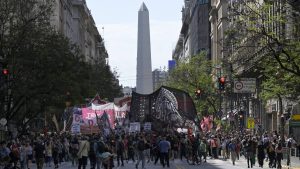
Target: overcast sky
[117,23]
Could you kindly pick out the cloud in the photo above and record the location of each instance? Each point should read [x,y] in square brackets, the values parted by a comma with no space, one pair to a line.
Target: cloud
[121,44]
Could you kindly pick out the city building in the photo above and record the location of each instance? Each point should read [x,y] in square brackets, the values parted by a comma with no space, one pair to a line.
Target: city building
[242,56]
[194,34]
[219,23]
[73,19]
[127,91]
[159,78]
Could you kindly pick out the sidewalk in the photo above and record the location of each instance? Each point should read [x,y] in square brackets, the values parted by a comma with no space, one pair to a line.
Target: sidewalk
[295,163]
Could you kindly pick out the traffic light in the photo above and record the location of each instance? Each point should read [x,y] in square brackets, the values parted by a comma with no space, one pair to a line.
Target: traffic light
[5,71]
[197,93]
[222,81]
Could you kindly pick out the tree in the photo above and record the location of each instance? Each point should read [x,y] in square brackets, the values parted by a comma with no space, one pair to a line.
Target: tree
[266,35]
[271,27]
[43,64]
[192,75]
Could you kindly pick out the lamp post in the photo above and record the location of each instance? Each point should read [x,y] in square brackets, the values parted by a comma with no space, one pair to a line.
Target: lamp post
[282,120]
[219,86]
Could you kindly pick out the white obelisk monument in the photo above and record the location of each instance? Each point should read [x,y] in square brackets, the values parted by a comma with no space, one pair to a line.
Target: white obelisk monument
[144,83]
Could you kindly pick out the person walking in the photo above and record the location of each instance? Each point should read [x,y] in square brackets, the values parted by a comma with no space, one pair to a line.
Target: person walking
[39,149]
[74,146]
[84,147]
[23,156]
[120,151]
[92,153]
[164,147]
[140,152]
[131,149]
[214,147]
[202,150]
[48,153]
[279,154]
[29,154]
[232,150]
[55,153]
[260,154]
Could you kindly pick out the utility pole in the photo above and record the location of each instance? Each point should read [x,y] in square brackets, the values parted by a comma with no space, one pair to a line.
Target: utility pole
[280,120]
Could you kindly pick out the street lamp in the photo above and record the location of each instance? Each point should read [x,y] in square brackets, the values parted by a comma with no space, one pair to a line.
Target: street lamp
[282,120]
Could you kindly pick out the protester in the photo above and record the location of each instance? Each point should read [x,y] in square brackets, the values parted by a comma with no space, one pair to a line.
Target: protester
[140,152]
[164,147]
[39,149]
[84,147]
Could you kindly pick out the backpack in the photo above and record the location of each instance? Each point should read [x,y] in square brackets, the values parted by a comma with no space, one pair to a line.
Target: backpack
[202,147]
[141,145]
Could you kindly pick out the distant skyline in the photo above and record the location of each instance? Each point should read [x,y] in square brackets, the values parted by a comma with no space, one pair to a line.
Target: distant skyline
[117,23]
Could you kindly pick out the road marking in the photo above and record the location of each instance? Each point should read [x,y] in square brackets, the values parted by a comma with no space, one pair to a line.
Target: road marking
[178,166]
[284,166]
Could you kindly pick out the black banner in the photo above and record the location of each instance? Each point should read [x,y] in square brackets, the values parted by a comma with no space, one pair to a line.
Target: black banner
[167,106]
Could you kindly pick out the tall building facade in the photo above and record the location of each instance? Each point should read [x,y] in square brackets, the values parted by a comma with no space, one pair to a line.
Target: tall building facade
[219,24]
[73,19]
[159,77]
[194,33]
[144,84]
[242,57]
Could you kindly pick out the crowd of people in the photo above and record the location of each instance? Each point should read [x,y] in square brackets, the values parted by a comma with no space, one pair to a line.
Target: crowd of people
[142,148]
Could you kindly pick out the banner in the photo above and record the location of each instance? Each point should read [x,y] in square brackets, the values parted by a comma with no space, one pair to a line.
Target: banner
[75,128]
[89,116]
[135,127]
[166,106]
[86,119]
[147,126]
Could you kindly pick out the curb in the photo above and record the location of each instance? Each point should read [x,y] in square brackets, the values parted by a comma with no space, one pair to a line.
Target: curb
[288,167]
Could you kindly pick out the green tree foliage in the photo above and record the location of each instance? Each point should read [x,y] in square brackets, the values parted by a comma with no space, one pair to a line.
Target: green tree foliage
[43,64]
[192,75]
[268,34]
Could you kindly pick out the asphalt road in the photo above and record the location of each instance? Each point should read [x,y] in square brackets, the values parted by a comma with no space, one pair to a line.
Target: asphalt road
[175,164]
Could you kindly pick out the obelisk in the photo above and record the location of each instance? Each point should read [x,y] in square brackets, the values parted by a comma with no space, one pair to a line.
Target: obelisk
[144,84]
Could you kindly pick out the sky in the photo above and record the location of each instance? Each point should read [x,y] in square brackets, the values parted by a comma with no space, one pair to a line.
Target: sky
[117,22]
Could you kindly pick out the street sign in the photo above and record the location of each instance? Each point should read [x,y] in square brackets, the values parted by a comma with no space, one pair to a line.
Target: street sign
[250,123]
[244,85]
[296,117]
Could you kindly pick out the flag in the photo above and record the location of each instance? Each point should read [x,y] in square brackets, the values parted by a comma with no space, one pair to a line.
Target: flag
[105,120]
[54,119]
[167,106]
[97,100]
[98,121]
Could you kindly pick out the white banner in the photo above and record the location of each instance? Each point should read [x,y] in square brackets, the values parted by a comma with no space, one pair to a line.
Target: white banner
[75,128]
[135,127]
[77,119]
[147,126]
